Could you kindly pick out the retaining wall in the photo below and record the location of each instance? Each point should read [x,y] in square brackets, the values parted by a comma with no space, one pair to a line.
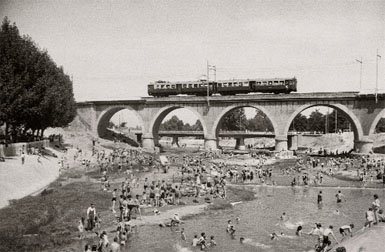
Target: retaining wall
[14,148]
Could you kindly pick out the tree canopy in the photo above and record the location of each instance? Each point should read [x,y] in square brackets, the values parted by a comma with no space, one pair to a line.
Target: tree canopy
[317,121]
[35,92]
[175,124]
[236,120]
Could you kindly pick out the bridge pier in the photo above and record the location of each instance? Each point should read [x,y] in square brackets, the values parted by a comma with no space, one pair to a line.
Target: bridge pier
[364,145]
[240,143]
[175,140]
[281,143]
[293,142]
[148,141]
[211,143]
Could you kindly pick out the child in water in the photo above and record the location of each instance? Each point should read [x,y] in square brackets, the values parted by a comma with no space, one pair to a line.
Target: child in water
[212,242]
[182,234]
[299,231]
[228,226]
[232,230]
[274,236]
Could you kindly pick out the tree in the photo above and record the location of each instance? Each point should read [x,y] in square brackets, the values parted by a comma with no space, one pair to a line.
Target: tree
[343,122]
[174,123]
[259,123]
[380,127]
[316,121]
[300,123]
[35,93]
[234,120]
[197,126]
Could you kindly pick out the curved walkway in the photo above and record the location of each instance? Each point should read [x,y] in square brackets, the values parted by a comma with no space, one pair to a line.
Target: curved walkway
[18,181]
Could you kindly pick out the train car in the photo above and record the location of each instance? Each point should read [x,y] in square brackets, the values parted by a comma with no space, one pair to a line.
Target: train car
[228,87]
[275,85]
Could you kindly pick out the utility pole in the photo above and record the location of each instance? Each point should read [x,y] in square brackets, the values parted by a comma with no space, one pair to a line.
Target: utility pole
[360,61]
[377,57]
[335,121]
[326,122]
[208,79]
[208,84]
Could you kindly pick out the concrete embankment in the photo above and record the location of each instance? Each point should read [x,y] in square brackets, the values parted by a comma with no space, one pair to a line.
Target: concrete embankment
[369,240]
[18,181]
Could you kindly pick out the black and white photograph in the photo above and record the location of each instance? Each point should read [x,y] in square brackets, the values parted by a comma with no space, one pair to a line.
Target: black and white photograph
[192,125]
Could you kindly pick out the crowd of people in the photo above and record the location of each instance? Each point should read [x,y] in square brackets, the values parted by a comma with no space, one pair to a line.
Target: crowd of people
[198,177]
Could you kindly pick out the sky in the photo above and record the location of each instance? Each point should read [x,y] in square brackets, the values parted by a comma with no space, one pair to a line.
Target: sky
[113,49]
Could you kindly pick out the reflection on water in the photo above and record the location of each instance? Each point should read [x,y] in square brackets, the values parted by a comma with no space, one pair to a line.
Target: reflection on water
[260,218]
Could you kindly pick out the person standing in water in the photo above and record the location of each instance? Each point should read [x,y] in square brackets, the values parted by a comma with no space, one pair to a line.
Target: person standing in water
[114,200]
[326,240]
[91,214]
[376,206]
[339,197]
[319,198]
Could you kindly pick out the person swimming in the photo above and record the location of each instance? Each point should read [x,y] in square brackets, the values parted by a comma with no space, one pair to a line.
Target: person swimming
[283,217]
[299,231]
[228,226]
[274,236]
[232,230]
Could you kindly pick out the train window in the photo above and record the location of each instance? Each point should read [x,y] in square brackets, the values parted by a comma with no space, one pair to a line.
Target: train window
[264,83]
[219,84]
[281,82]
[167,86]
[172,86]
[258,83]
[230,84]
[275,82]
[195,85]
[161,86]
[270,83]
[190,85]
[184,85]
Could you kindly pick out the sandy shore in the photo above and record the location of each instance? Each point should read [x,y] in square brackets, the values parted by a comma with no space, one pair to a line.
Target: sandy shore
[18,181]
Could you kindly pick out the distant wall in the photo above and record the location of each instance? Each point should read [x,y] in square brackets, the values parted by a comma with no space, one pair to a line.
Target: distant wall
[13,149]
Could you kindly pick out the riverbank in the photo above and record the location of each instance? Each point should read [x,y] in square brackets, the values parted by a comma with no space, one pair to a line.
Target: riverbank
[370,239]
[18,180]
[48,221]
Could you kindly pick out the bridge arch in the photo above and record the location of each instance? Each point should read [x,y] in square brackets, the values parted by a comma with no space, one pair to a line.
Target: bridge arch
[108,113]
[376,120]
[221,116]
[357,128]
[163,112]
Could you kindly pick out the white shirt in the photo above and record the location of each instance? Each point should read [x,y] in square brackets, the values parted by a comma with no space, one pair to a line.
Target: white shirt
[195,242]
[376,203]
[327,232]
[91,209]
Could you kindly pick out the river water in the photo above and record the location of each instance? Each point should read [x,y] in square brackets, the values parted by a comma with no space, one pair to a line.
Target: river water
[260,217]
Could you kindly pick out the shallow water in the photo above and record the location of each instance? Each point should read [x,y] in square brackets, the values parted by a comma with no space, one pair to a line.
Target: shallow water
[260,217]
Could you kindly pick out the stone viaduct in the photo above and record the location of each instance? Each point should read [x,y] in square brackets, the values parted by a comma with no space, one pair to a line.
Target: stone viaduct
[363,111]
